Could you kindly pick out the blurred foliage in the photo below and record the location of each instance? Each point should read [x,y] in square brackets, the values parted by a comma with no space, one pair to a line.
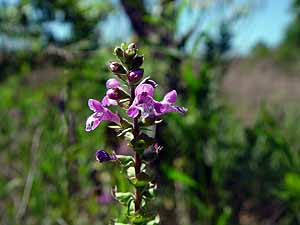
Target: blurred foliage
[287,52]
[289,48]
[212,170]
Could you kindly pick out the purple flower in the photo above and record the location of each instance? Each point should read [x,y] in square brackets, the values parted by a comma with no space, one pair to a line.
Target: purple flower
[104,198]
[103,156]
[117,68]
[114,66]
[135,75]
[148,107]
[100,114]
[112,84]
[112,94]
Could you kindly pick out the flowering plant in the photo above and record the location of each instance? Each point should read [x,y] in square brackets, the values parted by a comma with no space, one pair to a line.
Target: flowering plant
[134,97]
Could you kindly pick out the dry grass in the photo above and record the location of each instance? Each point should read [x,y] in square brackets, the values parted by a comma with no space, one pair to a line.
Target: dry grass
[248,84]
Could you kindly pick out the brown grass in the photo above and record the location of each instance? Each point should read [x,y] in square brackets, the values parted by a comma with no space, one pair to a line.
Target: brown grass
[248,84]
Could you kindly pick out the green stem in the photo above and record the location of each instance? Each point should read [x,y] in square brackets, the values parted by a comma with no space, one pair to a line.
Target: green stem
[138,193]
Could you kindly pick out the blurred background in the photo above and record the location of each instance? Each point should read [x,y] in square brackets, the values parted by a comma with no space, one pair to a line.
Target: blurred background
[233,159]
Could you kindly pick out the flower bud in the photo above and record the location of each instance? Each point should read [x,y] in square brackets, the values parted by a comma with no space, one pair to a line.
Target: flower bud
[129,54]
[119,52]
[135,75]
[103,156]
[112,94]
[124,46]
[115,67]
[137,61]
[112,83]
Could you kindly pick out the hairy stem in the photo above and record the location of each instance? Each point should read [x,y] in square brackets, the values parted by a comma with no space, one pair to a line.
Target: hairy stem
[138,160]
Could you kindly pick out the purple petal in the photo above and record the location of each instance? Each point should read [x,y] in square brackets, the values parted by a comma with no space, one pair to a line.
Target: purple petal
[92,122]
[110,116]
[112,84]
[133,111]
[112,94]
[104,115]
[160,108]
[147,88]
[135,75]
[95,105]
[104,198]
[163,108]
[170,97]
[106,101]
[144,98]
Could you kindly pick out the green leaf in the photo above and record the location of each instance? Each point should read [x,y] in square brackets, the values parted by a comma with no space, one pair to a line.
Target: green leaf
[290,187]
[149,192]
[137,219]
[144,216]
[122,76]
[189,77]
[130,206]
[142,142]
[124,46]
[125,160]
[130,172]
[292,182]
[123,197]
[154,222]
[224,217]
[119,52]
[124,131]
[178,176]
[125,123]
[114,127]
[124,103]
[128,136]
[141,180]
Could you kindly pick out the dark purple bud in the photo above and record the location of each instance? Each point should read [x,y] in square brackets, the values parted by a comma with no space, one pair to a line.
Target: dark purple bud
[103,156]
[135,75]
[137,61]
[116,67]
[112,94]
